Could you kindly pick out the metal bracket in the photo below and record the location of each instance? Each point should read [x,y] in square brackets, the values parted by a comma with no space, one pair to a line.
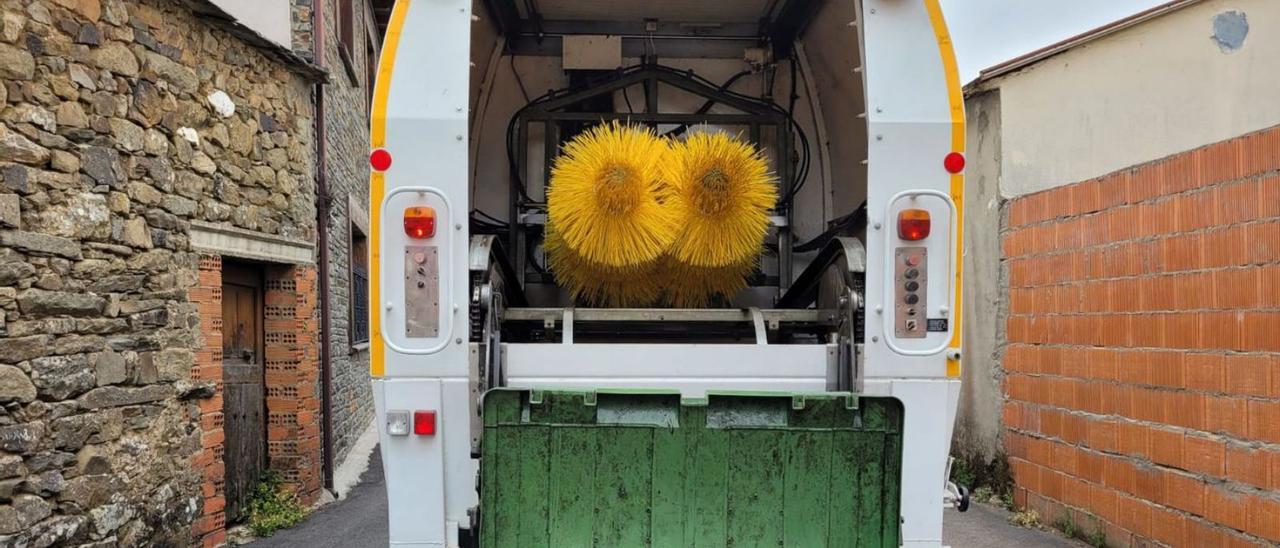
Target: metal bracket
[566,336]
[757,319]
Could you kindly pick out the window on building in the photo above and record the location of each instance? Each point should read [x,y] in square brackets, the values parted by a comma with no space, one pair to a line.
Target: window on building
[359,287]
[347,37]
[346,25]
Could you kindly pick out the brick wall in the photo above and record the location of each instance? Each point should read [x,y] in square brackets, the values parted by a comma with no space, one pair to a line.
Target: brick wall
[1143,361]
[293,379]
[210,525]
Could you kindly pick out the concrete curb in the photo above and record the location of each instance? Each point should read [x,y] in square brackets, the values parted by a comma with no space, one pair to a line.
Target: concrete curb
[347,474]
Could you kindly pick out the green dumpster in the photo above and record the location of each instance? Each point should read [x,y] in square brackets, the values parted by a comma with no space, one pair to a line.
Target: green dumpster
[623,469]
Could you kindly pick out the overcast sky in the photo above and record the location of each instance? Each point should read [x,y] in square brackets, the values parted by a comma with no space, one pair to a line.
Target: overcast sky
[987,32]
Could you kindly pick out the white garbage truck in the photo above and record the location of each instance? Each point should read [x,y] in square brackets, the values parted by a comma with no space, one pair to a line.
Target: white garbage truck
[813,408]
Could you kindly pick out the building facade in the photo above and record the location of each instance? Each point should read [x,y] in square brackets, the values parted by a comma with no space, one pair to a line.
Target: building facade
[163,276]
[351,41]
[1126,213]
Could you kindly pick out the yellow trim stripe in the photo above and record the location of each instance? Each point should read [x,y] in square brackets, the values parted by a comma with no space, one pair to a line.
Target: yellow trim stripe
[955,96]
[377,184]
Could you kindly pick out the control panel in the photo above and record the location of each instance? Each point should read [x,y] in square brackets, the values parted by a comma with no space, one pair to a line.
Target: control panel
[422,291]
[911,282]
[418,246]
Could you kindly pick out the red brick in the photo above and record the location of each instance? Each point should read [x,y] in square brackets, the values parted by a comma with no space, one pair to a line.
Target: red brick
[1167,369]
[1092,466]
[1134,515]
[1228,508]
[1263,242]
[1101,435]
[1269,191]
[1051,483]
[1058,202]
[1203,455]
[1144,182]
[1182,252]
[1168,527]
[1227,415]
[1182,173]
[1221,330]
[1181,330]
[1102,364]
[1150,483]
[1201,534]
[1148,405]
[1248,465]
[1264,421]
[1186,210]
[1264,518]
[1258,151]
[1119,474]
[1275,377]
[1204,372]
[1258,331]
[1166,447]
[1184,492]
[1274,457]
[1236,288]
[1238,202]
[1123,223]
[1086,197]
[1248,375]
[1103,502]
[1185,409]
[1220,162]
[1075,492]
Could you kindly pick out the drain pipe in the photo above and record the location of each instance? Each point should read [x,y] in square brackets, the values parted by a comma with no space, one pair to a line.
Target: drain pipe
[323,203]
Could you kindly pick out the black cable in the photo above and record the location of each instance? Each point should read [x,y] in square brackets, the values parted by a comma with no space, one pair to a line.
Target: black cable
[519,81]
[706,106]
[802,138]
[838,225]
[627,98]
[491,218]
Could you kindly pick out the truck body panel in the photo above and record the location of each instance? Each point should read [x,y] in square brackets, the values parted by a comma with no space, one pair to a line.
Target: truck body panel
[879,82]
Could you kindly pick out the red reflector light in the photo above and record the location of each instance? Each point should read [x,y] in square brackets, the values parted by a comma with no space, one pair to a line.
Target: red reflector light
[424,423]
[913,224]
[380,159]
[420,222]
[954,162]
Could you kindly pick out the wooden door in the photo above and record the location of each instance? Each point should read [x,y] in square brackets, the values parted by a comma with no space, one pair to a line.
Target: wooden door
[244,396]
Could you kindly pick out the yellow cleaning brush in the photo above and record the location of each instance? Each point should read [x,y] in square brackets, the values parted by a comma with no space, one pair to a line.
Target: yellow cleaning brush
[697,286]
[597,285]
[605,197]
[721,193]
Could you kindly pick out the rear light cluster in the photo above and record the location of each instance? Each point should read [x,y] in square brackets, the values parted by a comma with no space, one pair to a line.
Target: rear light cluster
[913,224]
[420,222]
[423,423]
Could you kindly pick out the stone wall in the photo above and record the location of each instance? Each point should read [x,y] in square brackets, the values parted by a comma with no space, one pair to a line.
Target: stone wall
[347,146]
[115,135]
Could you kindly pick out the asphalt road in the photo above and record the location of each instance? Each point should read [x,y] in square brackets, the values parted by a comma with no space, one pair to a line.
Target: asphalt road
[360,521]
